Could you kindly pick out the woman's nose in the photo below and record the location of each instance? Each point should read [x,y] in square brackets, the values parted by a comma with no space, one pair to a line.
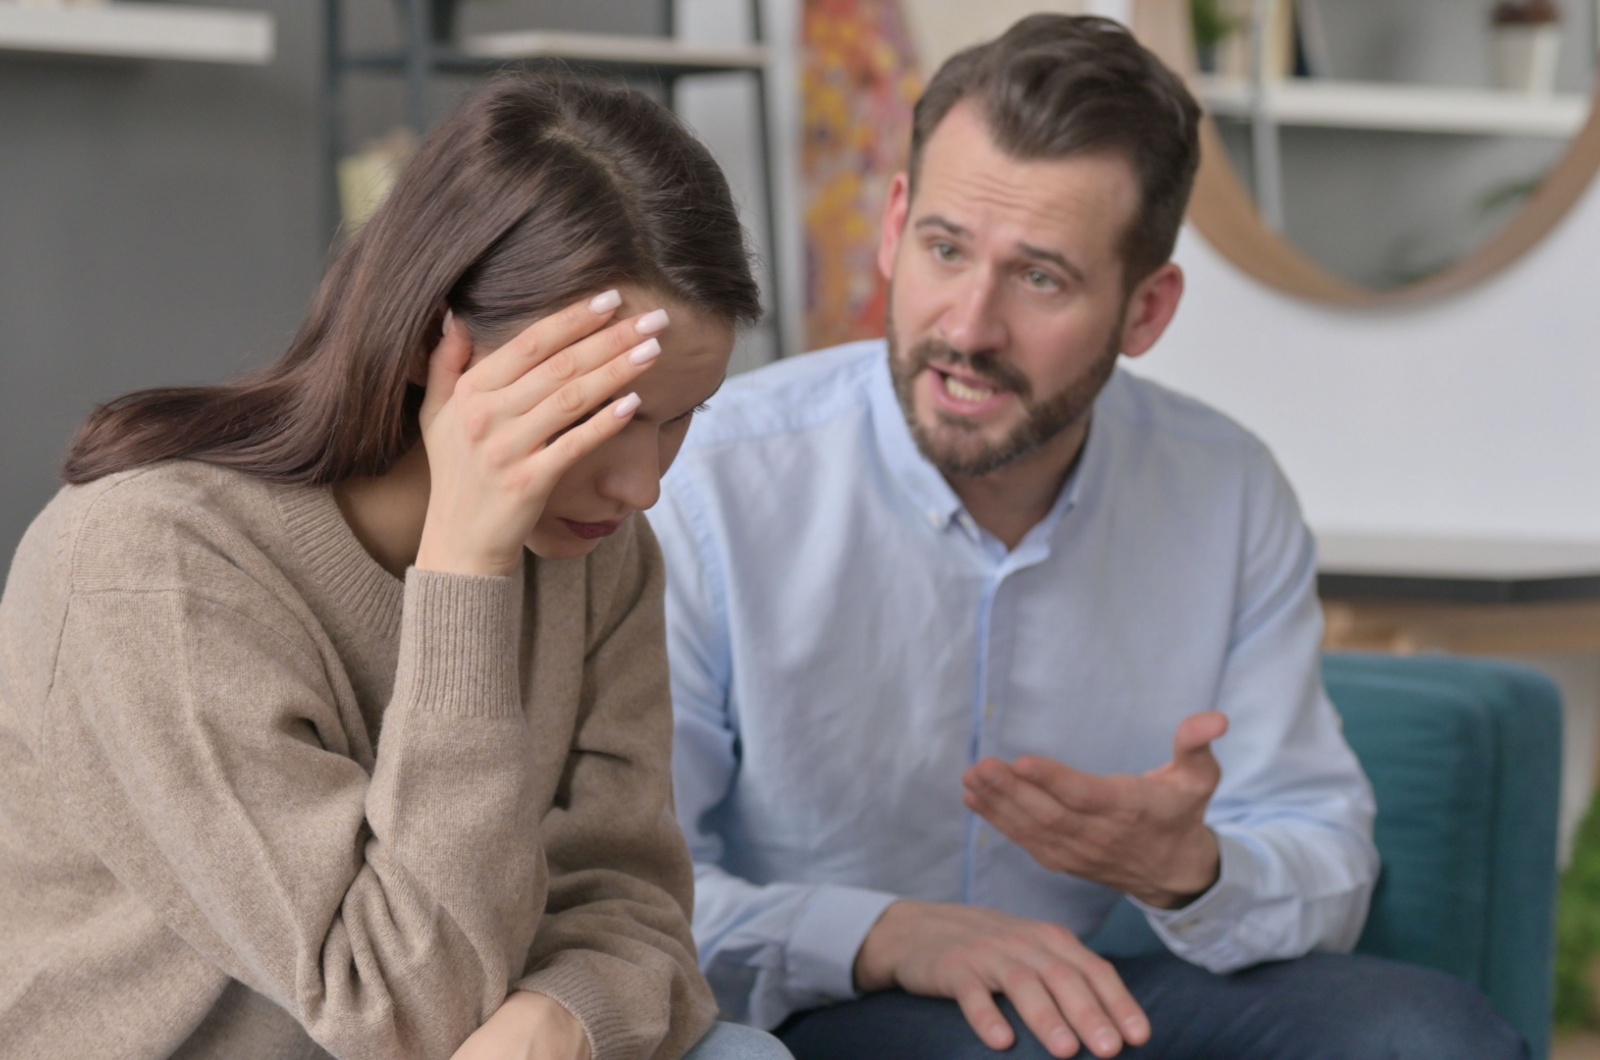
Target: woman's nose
[633,476]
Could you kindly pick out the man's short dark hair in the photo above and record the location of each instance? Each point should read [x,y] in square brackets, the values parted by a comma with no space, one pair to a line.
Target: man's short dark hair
[1053,86]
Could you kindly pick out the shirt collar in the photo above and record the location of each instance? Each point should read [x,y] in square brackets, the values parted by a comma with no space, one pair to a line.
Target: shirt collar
[926,489]
[919,480]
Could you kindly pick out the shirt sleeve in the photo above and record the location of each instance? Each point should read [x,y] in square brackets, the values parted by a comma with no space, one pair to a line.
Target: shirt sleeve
[1293,813]
[615,946]
[768,949]
[199,741]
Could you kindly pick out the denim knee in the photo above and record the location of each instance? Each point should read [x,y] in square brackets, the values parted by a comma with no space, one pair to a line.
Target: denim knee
[730,1041]
[1448,1020]
[1407,1012]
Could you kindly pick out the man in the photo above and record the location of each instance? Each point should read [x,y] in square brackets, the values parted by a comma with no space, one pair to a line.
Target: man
[954,631]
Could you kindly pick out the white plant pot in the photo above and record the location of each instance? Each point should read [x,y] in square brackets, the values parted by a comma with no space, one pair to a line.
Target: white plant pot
[1525,57]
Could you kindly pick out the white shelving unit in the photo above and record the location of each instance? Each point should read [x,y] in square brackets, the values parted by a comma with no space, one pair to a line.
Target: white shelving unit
[1397,107]
[139,31]
[605,48]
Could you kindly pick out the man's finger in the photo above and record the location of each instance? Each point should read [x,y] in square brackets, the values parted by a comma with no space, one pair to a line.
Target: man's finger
[1015,806]
[1074,789]
[1113,1009]
[1039,1009]
[978,1006]
[1081,1005]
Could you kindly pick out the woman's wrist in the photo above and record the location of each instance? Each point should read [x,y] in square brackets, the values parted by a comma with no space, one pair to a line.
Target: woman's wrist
[444,554]
[528,1025]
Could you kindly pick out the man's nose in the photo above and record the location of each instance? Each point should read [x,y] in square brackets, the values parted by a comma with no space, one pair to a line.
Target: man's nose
[973,322]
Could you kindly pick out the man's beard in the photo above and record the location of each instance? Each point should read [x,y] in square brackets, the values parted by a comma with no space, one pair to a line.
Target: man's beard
[966,454]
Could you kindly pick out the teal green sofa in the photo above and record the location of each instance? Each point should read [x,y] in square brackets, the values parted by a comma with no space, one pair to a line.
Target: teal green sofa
[1465,761]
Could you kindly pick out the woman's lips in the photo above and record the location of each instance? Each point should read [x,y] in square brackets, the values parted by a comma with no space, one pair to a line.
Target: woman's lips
[590,531]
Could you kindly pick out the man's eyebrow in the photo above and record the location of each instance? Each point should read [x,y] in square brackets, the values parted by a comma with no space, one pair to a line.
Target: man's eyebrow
[1058,260]
[935,221]
[1028,251]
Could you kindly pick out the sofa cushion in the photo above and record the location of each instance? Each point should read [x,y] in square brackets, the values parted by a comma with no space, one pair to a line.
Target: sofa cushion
[1464,757]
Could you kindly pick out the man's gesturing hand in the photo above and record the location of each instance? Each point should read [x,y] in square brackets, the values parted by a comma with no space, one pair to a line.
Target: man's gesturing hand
[1142,835]
[1064,992]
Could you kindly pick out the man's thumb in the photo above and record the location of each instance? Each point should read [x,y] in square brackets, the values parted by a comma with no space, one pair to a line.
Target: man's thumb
[1192,744]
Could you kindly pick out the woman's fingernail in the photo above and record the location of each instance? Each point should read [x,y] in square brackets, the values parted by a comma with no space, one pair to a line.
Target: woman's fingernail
[605,303]
[651,322]
[1106,1041]
[645,352]
[626,406]
[449,315]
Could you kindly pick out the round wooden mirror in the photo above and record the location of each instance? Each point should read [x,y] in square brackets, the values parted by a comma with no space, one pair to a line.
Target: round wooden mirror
[1226,212]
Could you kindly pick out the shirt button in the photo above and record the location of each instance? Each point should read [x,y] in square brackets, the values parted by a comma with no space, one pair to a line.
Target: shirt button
[988,712]
[933,520]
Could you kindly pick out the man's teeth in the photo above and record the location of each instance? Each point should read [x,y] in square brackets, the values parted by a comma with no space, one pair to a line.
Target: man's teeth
[962,392]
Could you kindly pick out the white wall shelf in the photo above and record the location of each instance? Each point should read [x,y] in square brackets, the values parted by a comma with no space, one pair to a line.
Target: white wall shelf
[139,31]
[622,50]
[1399,107]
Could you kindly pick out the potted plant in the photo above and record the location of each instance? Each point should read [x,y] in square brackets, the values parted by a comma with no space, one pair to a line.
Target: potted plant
[1212,25]
[1526,41]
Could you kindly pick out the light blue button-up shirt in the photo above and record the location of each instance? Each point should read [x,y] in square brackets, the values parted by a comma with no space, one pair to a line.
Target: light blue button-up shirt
[846,641]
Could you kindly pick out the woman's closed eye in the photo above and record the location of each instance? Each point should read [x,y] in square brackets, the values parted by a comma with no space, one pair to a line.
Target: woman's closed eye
[704,406]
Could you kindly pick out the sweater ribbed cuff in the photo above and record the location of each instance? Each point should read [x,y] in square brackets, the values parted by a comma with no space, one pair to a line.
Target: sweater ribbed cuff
[605,1023]
[458,644]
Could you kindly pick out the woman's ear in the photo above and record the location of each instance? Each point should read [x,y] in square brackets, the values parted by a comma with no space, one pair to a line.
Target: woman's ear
[437,329]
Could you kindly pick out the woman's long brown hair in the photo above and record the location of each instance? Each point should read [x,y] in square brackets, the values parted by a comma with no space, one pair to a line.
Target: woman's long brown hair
[538,191]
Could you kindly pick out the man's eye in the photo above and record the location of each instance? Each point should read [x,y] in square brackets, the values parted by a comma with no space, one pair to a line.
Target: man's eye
[1040,280]
[944,252]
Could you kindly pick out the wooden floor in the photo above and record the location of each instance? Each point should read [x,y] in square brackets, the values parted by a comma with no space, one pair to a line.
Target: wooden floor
[1577,1047]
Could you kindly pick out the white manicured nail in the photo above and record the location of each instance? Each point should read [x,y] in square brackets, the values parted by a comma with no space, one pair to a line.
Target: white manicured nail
[645,352]
[651,322]
[605,303]
[626,406]
[449,315]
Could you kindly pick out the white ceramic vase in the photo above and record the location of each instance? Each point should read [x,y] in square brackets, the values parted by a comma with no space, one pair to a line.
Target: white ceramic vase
[1525,57]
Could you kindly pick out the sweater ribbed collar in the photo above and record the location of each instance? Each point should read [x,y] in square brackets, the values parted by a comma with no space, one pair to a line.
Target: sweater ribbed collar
[343,573]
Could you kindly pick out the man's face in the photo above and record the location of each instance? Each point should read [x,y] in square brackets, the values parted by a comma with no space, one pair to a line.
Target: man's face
[1006,298]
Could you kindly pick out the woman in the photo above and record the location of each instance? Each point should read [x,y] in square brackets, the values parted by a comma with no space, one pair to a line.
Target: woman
[299,750]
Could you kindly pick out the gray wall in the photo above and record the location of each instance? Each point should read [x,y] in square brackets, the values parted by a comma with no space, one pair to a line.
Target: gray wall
[160,221]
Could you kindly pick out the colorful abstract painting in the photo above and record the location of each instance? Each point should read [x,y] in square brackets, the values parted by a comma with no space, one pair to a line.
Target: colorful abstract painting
[860,82]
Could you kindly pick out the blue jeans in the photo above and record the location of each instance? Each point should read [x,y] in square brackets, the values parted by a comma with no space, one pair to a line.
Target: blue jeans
[729,1041]
[1321,1007]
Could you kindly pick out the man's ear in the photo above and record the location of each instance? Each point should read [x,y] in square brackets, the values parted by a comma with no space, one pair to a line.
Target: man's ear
[1151,307]
[894,223]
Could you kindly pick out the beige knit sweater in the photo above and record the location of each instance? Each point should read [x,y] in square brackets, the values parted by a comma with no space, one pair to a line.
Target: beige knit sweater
[259,798]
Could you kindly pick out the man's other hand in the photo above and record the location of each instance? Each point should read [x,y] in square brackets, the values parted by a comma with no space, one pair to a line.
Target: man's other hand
[1142,835]
[1064,992]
